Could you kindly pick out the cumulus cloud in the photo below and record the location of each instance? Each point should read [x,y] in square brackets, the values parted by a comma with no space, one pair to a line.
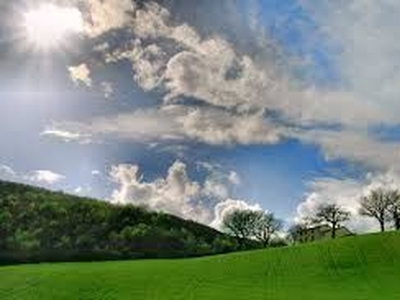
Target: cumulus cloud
[45,177]
[148,63]
[80,74]
[220,127]
[212,70]
[175,60]
[228,206]
[105,15]
[176,193]
[346,193]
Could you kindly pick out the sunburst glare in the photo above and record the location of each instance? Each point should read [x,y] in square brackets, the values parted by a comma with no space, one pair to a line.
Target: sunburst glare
[49,26]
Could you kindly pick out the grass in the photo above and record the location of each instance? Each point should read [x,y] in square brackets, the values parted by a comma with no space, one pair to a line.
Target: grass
[365,267]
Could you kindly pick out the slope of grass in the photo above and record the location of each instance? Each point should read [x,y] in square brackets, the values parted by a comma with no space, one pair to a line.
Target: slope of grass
[365,267]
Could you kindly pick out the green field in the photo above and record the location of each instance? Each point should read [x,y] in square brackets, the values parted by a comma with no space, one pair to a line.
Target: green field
[365,267]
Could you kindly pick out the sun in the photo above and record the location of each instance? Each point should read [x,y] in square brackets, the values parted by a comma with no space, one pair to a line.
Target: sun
[49,26]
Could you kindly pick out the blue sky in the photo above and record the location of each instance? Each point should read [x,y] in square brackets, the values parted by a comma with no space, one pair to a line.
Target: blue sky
[134,103]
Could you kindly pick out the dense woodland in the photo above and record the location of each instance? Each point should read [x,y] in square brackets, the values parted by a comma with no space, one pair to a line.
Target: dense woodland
[40,225]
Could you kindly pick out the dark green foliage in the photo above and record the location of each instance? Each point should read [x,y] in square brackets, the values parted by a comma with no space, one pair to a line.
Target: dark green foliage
[39,225]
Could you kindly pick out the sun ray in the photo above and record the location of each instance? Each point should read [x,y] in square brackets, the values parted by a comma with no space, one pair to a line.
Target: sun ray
[48,27]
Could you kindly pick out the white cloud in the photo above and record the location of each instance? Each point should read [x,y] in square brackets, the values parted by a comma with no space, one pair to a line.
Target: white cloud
[45,177]
[6,172]
[37,177]
[216,127]
[354,146]
[148,64]
[228,206]
[96,172]
[80,74]
[176,193]
[105,15]
[174,58]
[218,183]
[208,125]
[211,70]
[234,178]
[215,73]
[140,125]
[64,135]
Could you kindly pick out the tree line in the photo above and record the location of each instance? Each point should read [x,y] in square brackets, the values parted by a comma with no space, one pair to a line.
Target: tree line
[381,204]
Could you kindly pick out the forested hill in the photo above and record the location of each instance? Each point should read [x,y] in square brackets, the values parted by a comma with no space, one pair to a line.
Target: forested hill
[41,225]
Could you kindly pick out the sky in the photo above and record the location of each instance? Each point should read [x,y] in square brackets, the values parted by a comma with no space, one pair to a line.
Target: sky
[201,107]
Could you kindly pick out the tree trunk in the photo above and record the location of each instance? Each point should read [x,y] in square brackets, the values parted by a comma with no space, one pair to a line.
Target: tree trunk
[382,224]
[396,219]
[397,223]
[265,239]
[333,231]
[239,241]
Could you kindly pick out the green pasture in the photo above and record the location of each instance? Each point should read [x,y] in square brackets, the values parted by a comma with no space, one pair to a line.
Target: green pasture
[364,267]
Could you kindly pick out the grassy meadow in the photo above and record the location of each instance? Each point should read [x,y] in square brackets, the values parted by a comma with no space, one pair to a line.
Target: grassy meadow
[364,267]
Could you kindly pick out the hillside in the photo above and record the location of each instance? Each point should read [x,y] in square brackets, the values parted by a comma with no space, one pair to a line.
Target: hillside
[364,267]
[38,225]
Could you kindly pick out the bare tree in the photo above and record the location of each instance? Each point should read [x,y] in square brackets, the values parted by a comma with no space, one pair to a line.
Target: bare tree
[240,223]
[265,227]
[376,205]
[332,215]
[393,199]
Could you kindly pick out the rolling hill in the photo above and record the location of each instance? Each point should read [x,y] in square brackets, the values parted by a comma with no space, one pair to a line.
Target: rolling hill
[363,267]
[38,225]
